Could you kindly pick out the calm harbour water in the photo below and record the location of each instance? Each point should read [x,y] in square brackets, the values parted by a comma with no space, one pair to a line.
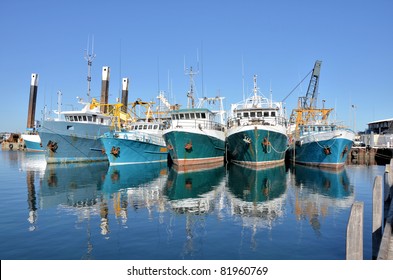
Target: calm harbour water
[152,212]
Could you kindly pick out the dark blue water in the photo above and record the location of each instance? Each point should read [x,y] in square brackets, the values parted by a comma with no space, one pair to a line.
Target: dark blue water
[152,212]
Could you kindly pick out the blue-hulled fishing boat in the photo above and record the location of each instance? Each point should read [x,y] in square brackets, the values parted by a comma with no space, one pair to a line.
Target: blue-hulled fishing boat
[315,140]
[73,136]
[32,142]
[257,132]
[138,141]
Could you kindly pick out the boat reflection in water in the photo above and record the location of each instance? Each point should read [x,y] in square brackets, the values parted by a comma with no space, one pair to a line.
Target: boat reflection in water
[72,185]
[257,195]
[192,191]
[194,194]
[136,186]
[319,193]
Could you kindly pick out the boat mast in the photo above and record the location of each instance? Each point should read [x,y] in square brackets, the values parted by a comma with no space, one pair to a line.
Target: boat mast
[190,93]
[89,57]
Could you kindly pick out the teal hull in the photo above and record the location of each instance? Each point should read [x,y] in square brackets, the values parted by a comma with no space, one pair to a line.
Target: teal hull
[257,185]
[193,148]
[256,147]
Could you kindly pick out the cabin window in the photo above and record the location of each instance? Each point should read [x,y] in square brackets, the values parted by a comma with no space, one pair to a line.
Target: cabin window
[140,127]
[203,115]
[259,114]
[136,127]
[192,115]
[187,115]
[102,120]
[239,115]
[252,114]
[67,118]
[145,126]
[94,118]
[89,118]
[155,126]
[245,114]
[149,127]
[80,118]
[198,115]
[265,114]
[181,116]
[273,114]
[84,118]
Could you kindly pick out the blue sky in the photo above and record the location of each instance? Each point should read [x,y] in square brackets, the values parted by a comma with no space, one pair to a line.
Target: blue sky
[149,41]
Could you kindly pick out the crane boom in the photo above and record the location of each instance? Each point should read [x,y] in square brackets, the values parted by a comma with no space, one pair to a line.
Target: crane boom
[310,100]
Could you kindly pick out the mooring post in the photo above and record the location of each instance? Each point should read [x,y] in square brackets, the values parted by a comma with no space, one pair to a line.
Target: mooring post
[104,89]
[32,101]
[124,94]
[377,215]
[354,244]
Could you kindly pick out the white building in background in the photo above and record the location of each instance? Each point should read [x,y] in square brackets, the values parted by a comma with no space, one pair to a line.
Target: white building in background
[379,134]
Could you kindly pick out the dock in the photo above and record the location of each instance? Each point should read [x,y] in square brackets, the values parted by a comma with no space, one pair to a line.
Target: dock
[370,155]
[382,217]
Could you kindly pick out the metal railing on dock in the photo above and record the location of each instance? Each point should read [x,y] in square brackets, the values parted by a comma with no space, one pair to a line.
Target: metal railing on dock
[382,217]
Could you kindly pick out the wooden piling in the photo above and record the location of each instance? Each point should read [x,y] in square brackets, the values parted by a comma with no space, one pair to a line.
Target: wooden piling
[354,244]
[377,216]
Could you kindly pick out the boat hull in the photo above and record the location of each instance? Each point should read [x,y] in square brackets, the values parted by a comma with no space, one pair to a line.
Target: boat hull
[328,149]
[131,151]
[72,142]
[257,145]
[193,147]
[32,143]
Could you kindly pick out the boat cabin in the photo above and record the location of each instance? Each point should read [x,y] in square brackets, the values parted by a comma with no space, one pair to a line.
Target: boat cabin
[86,118]
[307,129]
[196,117]
[251,116]
[146,127]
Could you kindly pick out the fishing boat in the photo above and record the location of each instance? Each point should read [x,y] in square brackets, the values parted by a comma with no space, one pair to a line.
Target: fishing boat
[73,136]
[32,141]
[196,134]
[139,141]
[257,131]
[315,140]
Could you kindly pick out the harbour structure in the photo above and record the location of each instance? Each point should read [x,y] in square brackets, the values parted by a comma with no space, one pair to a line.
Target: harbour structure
[196,134]
[257,131]
[31,138]
[73,136]
[378,137]
[315,140]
